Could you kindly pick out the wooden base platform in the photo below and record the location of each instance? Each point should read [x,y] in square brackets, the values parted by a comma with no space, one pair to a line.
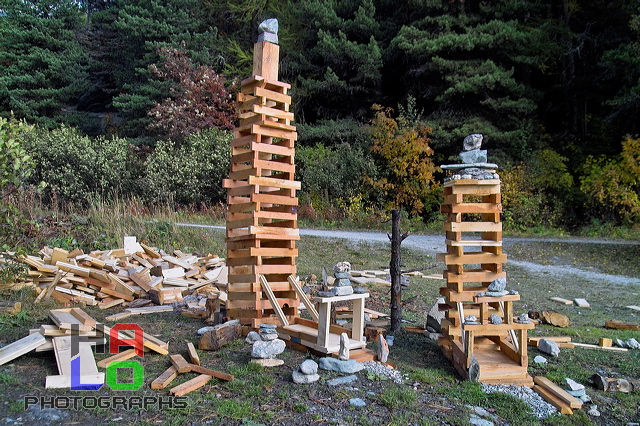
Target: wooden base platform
[307,335]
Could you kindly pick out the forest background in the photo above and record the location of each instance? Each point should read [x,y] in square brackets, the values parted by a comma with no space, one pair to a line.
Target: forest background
[135,100]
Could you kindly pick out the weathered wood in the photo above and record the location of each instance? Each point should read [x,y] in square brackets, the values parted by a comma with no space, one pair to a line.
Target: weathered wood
[191,385]
[621,325]
[21,347]
[10,307]
[124,355]
[193,354]
[180,364]
[560,393]
[213,373]
[163,380]
[220,335]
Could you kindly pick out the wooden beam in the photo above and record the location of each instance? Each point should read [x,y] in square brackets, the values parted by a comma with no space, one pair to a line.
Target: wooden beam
[274,302]
[163,380]
[190,385]
[21,347]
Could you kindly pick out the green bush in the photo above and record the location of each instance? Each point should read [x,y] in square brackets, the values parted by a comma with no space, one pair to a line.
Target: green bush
[77,168]
[15,162]
[190,172]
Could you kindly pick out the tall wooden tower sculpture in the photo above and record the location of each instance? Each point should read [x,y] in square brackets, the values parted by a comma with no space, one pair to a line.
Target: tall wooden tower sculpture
[261,192]
[481,337]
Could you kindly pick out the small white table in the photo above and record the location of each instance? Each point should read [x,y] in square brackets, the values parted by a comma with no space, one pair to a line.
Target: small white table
[324,316]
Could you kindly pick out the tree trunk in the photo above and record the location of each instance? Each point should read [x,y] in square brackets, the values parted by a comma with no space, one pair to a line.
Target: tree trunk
[395,271]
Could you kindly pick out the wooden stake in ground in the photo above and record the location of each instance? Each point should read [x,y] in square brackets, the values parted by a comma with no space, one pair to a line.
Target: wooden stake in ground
[395,271]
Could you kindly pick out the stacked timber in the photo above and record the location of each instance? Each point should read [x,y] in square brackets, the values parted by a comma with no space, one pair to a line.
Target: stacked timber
[481,336]
[262,219]
[110,278]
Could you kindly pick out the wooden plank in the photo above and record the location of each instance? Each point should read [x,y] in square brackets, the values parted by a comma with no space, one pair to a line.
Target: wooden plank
[303,296]
[190,385]
[21,347]
[163,380]
[582,303]
[129,353]
[213,373]
[588,346]
[117,294]
[193,354]
[274,302]
[83,317]
[621,325]
[473,226]
[149,310]
[557,391]
[561,300]
[119,316]
[180,364]
[64,318]
[635,308]
[552,399]
[110,303]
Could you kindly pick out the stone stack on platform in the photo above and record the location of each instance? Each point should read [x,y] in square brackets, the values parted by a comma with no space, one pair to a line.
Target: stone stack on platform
[261,192]
[481,336]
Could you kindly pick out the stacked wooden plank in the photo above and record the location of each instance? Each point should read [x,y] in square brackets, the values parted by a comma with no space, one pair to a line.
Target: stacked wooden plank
[117,277]
[262,218]
[487,352]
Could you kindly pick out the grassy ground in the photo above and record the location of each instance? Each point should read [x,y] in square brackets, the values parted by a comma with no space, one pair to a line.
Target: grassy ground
[432,395]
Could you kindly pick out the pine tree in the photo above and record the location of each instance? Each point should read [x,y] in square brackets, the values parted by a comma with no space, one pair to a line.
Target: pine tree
[44,68]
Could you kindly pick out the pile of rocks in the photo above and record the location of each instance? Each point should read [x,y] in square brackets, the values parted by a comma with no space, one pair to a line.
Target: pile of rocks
[342,281]
[474,161]
[307,372]
[629,343]
[266,346]
[578,390]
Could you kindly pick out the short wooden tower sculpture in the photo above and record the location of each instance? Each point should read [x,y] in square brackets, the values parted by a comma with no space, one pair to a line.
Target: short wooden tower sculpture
[261,193]
[481,336]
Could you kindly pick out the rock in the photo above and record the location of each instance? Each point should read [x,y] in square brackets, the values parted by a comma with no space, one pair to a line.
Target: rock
[593,411]
[203,330]
[584,398]
[342,275]
[343,352]
[474,370]
[324,294]
[576,393]
[342,282]
[473,141]
[342,380]
[268,336]
[383,349]
[554,318]
[360,290]
[496,293]
[334,364]
[549,347]
[523,319]
[268,362]
[309,366]
[513,292]
[632,343]
[436,316]
[267,327]
[477,421]
[540,360]
[344,290]
[267,349]
[471,319]
[252,337]
[268,31]
[474,156]
[480,294]
[573,385]
[301,378]
[390,340]
[495,319]
[621,343]
[499,284]
[342,267]
[358,402]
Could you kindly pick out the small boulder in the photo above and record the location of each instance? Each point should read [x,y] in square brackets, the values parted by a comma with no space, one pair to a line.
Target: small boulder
[383,349]
[309,366]
[343,352]
[436,316]
[334,364]
[301,378]
[270,349]
[252,337]
[549,347]
[358,402]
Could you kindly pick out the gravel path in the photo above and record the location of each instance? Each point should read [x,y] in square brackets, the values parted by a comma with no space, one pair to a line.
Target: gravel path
[432,244]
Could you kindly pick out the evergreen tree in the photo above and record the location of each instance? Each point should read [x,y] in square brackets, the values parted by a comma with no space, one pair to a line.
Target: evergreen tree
[469,63]
[338,63]
[143,26]
[44,68]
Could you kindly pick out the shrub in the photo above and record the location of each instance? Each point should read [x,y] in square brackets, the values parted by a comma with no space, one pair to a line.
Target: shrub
[15,162]
[613,185]
[190,172]
[79,168]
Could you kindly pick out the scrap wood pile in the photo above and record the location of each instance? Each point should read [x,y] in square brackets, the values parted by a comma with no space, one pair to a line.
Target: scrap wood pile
[134,276]
[69,322]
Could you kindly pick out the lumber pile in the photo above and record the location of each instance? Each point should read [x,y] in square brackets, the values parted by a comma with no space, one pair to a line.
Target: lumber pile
[117,277]
[179,365]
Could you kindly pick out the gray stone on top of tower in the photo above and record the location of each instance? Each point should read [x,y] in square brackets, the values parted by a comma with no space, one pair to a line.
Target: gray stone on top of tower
[268,31]
[473,141]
